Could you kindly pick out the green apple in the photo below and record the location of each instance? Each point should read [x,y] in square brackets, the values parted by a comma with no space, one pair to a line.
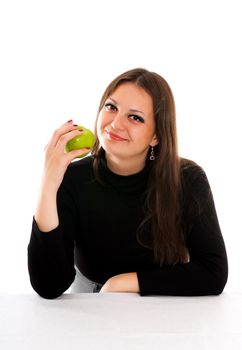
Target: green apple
[85,139]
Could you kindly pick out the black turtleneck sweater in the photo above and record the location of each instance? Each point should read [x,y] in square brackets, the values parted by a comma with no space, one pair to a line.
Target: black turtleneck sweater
[97,233]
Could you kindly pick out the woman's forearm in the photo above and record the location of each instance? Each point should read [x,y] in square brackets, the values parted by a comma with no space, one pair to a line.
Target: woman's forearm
[46,215]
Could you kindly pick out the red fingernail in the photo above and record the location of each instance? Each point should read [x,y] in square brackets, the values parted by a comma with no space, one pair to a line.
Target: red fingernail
[69,121]
[74,124]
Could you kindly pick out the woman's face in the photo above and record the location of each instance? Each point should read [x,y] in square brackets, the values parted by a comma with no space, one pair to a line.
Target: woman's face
[125,125]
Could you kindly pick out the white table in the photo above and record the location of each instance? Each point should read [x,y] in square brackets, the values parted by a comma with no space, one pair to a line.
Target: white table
[121,321]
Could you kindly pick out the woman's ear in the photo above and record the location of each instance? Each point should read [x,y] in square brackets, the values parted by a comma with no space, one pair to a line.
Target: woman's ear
[154,141]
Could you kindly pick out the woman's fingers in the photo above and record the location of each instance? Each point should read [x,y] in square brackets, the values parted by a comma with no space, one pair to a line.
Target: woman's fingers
[64,138]
[56,158]
[63,129]
[56,146]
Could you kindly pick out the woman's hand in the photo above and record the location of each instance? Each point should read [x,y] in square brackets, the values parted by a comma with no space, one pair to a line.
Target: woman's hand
[56,163]
[125,282]
[56,160]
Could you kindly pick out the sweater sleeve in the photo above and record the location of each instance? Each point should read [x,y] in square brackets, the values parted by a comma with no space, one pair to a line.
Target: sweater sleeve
[51,254]
[207,270]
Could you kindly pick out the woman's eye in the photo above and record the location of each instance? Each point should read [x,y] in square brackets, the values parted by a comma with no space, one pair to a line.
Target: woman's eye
[136,118]
[110,107]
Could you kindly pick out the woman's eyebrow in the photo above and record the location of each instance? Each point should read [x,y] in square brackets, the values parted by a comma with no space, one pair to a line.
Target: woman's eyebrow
[131,110]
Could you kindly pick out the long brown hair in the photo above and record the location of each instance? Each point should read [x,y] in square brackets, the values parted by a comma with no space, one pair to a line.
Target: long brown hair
[162,205]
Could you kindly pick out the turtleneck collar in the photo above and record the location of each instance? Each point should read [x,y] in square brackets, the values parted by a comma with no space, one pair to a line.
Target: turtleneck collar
[127,184]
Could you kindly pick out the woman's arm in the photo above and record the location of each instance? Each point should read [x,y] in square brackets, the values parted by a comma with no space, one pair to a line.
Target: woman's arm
[56,163]
[50,254]
[207,271]
[50,250]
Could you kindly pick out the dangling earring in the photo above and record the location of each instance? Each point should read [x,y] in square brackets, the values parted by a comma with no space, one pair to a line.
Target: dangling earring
[152,154]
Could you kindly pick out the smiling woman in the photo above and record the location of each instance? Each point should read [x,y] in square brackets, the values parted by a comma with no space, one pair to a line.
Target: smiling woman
[133,216]
[126,137]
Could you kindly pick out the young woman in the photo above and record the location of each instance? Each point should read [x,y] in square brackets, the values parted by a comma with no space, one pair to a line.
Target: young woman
[133,216]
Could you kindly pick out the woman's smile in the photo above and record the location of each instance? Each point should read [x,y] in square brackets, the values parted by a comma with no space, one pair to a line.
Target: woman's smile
[114,137]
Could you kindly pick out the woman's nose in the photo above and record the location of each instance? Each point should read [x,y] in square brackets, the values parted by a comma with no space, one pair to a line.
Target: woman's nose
[118,122]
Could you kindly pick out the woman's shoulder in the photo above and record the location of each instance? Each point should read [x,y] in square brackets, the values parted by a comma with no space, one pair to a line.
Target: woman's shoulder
[86,161]
[194,181]
[191,171]
[80,169]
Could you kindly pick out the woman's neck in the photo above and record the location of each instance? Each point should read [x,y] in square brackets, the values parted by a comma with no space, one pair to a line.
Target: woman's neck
[124,166]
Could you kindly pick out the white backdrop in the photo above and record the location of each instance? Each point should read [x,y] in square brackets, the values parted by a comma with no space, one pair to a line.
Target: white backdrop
[57,57]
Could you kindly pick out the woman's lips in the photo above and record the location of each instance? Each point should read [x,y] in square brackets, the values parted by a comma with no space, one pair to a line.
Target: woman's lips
[114,137]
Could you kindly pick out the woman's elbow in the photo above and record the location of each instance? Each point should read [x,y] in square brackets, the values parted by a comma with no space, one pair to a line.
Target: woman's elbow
[219,286]
[50,291]
[219,280]
[47,293]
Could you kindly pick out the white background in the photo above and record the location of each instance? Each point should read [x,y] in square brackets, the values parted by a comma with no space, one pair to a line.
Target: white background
[56,59]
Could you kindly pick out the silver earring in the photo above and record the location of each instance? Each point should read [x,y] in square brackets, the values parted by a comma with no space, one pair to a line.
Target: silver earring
[152,154]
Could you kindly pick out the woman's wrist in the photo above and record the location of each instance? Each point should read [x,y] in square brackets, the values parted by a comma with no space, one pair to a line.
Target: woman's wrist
[46,215]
